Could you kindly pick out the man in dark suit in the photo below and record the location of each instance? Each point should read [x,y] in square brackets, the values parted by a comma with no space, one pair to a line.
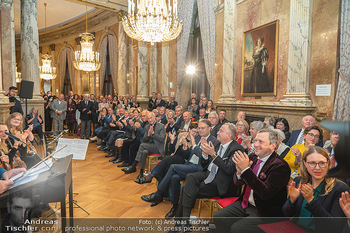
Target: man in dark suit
[202,114]
[266,176]
[152,101]
[178,172]
[297,136]
[187,119]
[216,179]
[178,118]
[86,108]
[94,113]
[162,117]
[160,102]
[215,126]
[153,143]
[172,103]
[222,117]
[12,98]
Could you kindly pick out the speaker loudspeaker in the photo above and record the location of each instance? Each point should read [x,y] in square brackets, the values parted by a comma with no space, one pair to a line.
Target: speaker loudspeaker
[26,89]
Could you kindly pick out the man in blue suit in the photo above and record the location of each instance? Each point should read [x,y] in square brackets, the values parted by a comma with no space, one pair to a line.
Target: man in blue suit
[297,136]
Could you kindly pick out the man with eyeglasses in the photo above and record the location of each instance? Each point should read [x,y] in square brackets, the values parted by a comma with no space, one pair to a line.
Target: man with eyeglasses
[216,178]
[178,172]
[265,175]
[297,136]
[215,126]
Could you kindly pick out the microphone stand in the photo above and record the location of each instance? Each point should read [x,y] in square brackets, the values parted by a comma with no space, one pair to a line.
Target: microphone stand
[58,137]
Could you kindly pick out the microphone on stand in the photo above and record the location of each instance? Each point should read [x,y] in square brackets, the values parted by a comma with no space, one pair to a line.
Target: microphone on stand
[57,137]
[32,150]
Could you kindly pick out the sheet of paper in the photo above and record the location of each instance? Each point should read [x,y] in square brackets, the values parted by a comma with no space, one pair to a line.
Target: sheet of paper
[77,147]
[32,174]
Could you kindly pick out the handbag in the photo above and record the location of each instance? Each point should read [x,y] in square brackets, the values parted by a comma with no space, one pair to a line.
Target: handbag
[78,132]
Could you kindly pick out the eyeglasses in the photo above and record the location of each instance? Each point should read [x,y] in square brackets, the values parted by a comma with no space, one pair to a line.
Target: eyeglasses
[314,135]
[16,119]
[240,125]
[320,164]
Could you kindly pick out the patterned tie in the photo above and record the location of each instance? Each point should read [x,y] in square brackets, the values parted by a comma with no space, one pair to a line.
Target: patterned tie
[248,189]
[301,139]
[213,169]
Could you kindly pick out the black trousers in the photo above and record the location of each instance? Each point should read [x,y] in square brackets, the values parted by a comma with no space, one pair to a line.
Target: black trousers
[104,132]
[129,150]
[196,188]
[234,218]
[160,170]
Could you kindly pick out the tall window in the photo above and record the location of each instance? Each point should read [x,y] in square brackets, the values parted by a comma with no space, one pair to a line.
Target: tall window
[67,87]
[196,56]
[107,83]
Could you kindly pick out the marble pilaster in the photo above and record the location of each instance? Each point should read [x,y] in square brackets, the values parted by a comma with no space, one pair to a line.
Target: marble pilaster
[122,62]
[153,69]
[299,52]
[30,52]
[142,85]
[165,70]
[131,73]
[229,61]
[8,44]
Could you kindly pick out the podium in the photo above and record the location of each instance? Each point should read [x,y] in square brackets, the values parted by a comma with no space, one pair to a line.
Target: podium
[50,188]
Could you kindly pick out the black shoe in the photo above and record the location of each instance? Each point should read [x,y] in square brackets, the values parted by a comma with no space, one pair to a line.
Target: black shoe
[119,160]
[124,164]
[102,148]
[106,148]
[142,180]
[92,141]
[137,180]
[129,170]
[109,155]
[100,143]
[152,198]
[113,159]
[171,213]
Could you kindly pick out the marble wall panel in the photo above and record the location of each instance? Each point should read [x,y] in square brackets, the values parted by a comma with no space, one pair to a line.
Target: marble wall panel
[153,69]
[122,62]
[165,69]
[142,87]
[219,47]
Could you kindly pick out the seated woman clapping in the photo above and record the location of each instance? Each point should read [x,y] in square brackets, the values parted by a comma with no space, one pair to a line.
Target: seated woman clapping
[313,194]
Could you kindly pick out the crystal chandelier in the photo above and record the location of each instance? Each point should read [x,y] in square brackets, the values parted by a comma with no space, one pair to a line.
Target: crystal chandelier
[86,59]
[152,21]
[18,76]
[47,72]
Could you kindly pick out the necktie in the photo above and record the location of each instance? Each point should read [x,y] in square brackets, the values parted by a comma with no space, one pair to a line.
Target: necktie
[301,139]
[86,103]
[213,168]
[248,189]
[194,158]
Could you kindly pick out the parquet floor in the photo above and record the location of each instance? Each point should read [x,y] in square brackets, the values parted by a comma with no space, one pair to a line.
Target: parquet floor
[102,189]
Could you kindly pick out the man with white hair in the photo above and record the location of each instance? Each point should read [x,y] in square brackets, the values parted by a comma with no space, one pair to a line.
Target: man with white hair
[153,143]
[58,114]
[85,108]
[215,126]
[297,136]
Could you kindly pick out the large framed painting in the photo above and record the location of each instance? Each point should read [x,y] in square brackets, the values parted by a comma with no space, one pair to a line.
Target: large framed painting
[259,60]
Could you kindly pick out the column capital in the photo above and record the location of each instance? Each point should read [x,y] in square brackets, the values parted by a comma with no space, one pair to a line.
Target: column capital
[6,2]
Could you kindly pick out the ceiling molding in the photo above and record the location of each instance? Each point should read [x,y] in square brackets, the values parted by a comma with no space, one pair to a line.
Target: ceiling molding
[97,20]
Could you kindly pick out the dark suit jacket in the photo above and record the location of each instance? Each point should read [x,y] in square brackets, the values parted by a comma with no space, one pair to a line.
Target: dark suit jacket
[224,121]
[294,136]
[325,206]
[226,169]
[158,137]
[182,125]
[177,125]
[269,187]
[214,131]
[84,116]
[151,103]
[171,105]
[94,111]
[161,103]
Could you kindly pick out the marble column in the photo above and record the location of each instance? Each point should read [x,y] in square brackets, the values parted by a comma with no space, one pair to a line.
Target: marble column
[142,81]
[229,60]
[122,62]
[30,52]
[153,69]
[299,53]
[131,73]
[165,69]
[8,44]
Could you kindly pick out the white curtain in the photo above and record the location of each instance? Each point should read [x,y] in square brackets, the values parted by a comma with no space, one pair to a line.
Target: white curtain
[113,56]
[71,69]
[185,14]
[207,26]
[62,67]
[103,60]
[341,109]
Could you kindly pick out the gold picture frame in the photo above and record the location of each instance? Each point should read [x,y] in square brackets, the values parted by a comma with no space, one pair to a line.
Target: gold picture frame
[259,60]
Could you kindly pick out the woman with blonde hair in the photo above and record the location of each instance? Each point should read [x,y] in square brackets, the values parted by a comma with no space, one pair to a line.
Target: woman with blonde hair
[313,194]
[15,126]
[242,131]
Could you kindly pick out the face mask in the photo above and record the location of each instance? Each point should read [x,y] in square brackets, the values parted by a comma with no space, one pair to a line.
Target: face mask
[50,100]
